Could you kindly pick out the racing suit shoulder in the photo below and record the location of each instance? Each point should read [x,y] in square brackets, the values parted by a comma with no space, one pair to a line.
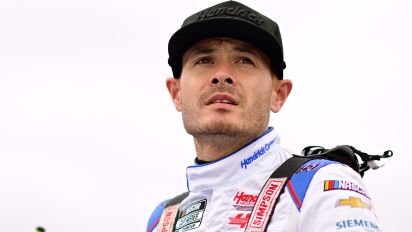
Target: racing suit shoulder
[337,200]
[300,180]
[155,217]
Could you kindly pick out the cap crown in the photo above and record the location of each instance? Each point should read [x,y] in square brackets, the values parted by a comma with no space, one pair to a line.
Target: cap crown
[228,19]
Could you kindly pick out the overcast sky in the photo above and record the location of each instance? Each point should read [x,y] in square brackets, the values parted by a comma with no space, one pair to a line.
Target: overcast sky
[90,140]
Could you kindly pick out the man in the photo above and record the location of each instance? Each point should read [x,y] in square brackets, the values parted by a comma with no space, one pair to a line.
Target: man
[227,62]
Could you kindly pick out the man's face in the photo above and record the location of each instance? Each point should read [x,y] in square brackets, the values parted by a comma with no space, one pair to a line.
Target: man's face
[226,88]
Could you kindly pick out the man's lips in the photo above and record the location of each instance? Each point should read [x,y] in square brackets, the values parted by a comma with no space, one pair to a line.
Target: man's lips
[221,98]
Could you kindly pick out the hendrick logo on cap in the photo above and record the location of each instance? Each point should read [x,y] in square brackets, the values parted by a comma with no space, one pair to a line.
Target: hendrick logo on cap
[231,11]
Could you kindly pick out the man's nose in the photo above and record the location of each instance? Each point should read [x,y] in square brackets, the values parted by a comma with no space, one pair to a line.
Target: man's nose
[223,76]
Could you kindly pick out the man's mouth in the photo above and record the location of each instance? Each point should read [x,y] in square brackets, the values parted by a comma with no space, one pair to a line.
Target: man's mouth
[221,98]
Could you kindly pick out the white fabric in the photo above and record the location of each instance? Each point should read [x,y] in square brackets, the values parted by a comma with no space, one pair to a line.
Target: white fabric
[221,181]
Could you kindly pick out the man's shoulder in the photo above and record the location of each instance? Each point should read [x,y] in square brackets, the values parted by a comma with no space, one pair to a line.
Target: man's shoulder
[339,177]
[155,216]
[316,170]
[339,192]
[168,206]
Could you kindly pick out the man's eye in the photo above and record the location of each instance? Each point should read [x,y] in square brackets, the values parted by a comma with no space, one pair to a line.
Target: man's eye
[204,60]
[246,60]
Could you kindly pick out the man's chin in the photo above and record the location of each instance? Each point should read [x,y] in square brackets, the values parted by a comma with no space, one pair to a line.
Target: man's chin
[214,128]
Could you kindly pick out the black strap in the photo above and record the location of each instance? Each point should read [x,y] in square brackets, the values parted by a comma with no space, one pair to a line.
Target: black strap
[290,166]
[177,199]
[274,187]
[348,155]
[168,217]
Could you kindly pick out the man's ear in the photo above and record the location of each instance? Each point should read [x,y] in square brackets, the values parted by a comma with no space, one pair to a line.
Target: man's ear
[173,85]
[281,91]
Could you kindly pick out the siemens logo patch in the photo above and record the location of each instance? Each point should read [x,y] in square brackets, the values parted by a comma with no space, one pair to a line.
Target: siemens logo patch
[357,223]
[258,153]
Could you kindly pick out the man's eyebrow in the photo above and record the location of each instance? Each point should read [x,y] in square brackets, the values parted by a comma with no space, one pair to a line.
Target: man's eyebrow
[201,50]
[246,49]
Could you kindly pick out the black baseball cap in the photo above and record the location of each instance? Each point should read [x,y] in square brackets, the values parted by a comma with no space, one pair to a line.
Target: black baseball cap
[228,19]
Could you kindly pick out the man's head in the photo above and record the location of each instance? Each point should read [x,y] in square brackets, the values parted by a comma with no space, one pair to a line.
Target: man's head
[226,84]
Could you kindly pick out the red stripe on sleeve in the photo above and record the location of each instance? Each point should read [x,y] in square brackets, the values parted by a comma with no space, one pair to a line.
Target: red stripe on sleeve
[293,193]
[153,225]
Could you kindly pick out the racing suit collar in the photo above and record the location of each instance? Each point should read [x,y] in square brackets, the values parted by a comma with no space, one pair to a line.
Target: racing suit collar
[233,167]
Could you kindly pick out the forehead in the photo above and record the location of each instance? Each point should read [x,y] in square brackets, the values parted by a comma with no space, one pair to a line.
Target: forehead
[213,44]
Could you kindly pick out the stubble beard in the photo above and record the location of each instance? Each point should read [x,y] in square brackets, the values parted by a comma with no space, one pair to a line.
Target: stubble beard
[220,132]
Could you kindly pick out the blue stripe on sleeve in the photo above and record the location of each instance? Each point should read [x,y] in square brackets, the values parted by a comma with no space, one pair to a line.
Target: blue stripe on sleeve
[155,217]
[301,179]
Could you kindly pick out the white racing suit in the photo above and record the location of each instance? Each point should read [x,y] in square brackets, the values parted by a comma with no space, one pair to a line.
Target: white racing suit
[322,196]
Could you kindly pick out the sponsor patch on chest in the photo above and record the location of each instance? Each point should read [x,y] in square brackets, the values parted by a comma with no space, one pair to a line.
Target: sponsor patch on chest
[243,201]
[191,216]
[240,220]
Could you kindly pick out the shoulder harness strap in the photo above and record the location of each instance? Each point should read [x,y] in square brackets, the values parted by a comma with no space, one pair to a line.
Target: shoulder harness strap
[269,195]
[168,218]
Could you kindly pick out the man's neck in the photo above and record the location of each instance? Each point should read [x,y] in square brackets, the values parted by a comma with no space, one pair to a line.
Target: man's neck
[213,147]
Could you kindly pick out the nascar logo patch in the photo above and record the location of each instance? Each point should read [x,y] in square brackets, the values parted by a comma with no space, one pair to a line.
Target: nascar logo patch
[344,185]
[191,217]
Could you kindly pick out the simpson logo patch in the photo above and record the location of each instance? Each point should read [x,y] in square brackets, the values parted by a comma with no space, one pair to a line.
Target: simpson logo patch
[244,202]
[166,221]
[344,185]
[191,216]
[264,204]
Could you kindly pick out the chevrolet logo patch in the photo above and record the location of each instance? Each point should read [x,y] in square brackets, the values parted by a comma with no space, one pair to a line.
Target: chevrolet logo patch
[353,202]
